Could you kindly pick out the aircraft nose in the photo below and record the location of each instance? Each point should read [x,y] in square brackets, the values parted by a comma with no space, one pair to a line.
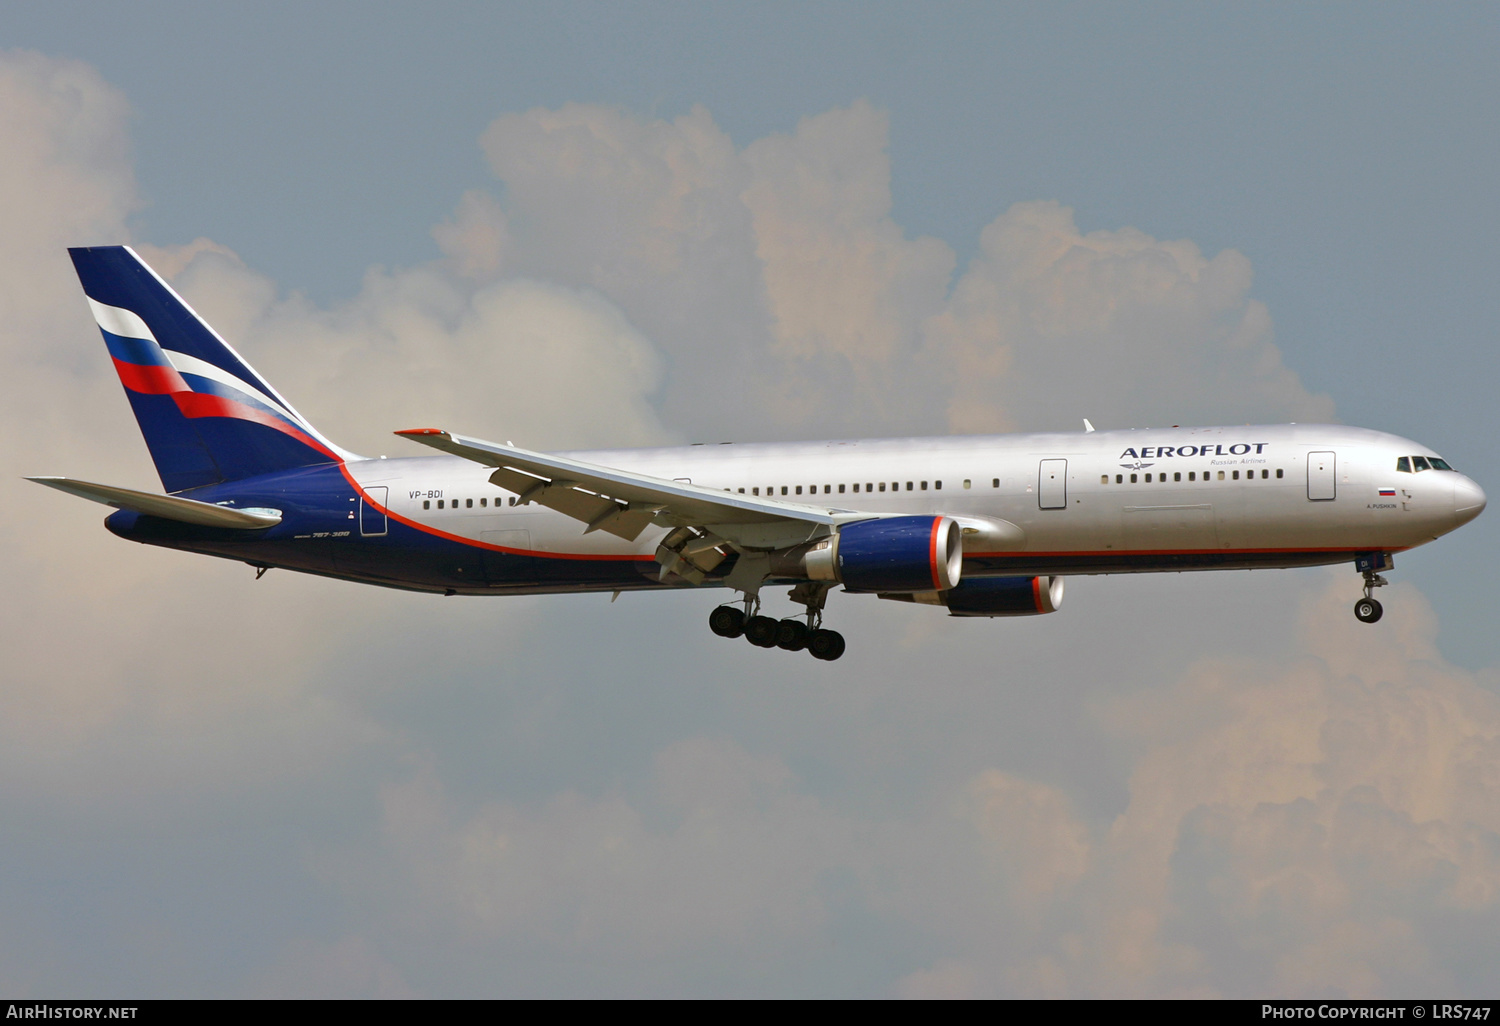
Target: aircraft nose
[1468,500]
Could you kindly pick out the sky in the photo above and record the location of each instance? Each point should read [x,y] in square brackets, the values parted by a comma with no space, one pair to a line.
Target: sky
[582,225]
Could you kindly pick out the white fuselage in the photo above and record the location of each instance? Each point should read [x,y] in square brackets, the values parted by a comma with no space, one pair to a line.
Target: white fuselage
[1108,501]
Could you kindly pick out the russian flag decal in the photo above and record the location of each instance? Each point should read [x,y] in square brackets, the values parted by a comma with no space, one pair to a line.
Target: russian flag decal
[1387,491]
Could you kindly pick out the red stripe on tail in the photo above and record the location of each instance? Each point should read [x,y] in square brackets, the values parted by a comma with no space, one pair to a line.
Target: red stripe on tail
[152,380]
[199,404]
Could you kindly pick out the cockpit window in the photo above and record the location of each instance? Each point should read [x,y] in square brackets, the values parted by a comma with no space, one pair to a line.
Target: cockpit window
[1438,464]
[1420,463]
[1403,465]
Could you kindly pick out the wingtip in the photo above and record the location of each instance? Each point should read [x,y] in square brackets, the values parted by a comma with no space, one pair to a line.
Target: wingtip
[421,431]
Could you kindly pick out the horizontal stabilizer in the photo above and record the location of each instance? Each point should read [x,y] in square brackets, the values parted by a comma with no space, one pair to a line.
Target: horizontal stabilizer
[169,507]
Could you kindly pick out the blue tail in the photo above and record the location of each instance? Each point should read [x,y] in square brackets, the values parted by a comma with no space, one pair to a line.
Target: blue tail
[206,415]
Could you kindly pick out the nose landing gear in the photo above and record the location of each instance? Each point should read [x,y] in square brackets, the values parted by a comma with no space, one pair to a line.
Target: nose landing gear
[790,634]
[1368,609]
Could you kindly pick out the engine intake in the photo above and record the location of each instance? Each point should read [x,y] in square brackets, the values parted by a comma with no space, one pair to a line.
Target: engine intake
[896,554]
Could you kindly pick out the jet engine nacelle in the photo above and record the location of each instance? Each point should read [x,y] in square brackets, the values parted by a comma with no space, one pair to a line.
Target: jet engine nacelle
[1005,596]
[895,554]
[994,596]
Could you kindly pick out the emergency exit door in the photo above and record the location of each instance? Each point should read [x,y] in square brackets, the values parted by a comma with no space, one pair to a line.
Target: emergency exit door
[1052,484]
[1321,472]
[372,519]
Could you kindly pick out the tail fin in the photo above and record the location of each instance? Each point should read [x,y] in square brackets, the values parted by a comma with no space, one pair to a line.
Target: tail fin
[206,415]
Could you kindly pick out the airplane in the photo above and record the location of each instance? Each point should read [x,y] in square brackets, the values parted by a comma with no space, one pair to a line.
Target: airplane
[982,526]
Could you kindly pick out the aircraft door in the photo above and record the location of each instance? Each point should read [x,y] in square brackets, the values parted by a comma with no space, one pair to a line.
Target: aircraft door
[1052,484]
[1321,470]
[373,522]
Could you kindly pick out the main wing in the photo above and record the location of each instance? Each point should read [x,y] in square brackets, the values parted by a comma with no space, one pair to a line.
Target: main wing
[625,504]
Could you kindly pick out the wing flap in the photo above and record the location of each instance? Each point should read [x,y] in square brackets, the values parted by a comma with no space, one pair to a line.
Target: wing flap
[598,512]
[168,507]
[586,492]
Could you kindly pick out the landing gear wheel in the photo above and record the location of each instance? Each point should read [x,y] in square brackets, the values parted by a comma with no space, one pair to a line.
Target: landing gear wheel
[1367,610]
[727,622]
[826,645]
[792,635]
[760,631]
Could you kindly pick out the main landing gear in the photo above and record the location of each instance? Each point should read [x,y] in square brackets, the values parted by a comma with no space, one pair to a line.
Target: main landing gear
[1368,609]
[790,634]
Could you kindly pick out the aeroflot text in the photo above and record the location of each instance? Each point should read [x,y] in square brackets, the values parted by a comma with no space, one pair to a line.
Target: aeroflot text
[1161,452]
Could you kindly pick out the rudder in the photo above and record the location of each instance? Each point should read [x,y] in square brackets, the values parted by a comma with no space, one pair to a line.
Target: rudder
[205,413]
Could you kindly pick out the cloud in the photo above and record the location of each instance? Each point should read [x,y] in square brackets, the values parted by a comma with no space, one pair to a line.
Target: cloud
[1049,324]
[1312,821]
[545,365]
[779,267]
[1315,824]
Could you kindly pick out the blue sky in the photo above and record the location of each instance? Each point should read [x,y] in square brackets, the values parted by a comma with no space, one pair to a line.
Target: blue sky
[202,819]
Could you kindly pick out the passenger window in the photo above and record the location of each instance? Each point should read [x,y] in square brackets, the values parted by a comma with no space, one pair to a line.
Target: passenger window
[924,486]
[483,501]
[1278,471]
[828,489]
[1420,463]
[968,483]
[426,503]
[995,483]
[755,491]
[799,489]
[468,504]
[1119,479]
[1192,475]
[1148,478]
[869,486]
[1264,474]
[440,504]
[882,486]
[512,500]
[1221,475]
[1403,465]
[1235,475]
[1104,479]
[1132,479]
[937,486]
[783,489]
[841,489]
[856,488]
[1177,476]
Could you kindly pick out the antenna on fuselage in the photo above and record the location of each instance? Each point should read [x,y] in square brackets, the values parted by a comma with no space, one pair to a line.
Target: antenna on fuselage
[1087,427]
